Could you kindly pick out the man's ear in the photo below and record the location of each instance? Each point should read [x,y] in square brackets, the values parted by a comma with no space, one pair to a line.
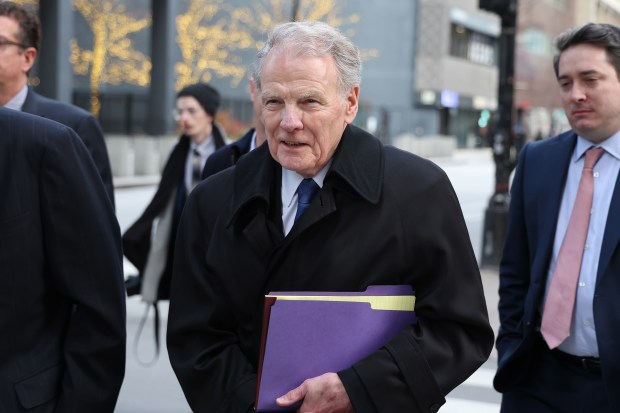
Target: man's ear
[30,55]
[352,104]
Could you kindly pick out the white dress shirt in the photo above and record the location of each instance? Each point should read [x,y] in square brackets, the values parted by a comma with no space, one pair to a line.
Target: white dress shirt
[206,148]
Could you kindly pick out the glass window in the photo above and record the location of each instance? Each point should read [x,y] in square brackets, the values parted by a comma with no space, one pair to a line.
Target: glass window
[473,46]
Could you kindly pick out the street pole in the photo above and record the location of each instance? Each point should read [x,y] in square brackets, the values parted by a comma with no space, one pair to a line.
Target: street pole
[504,143]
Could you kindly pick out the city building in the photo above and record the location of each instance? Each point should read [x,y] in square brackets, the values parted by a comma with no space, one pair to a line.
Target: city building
[430,66]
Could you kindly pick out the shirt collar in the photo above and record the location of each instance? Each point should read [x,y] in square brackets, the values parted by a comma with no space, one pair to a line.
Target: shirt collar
[203,147]
[17,101]
[253,141]
[291,180]
[611,146]
[358,162]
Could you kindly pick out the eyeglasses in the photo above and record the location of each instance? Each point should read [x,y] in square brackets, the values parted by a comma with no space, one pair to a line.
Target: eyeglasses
[177,113]
[6,42]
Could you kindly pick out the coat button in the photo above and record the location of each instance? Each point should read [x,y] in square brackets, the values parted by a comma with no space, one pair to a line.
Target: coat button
[434,408]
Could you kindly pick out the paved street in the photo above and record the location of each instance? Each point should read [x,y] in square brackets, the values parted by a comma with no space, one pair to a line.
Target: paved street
[154,389]
[472,173]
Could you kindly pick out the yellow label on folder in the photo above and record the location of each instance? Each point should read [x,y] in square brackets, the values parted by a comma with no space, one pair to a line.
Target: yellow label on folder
[377,302]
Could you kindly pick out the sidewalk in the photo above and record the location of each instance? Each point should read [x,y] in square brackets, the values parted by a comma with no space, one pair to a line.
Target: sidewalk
[135,180]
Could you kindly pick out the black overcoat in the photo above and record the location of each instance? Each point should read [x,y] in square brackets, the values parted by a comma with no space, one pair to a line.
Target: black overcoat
[383,216]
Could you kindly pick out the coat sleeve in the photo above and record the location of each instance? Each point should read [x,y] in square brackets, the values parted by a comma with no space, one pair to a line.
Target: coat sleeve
[83,256]
[202,336]
[452,337]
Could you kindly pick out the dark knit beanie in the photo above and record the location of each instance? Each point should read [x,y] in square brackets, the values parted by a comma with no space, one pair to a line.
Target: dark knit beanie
[207,96]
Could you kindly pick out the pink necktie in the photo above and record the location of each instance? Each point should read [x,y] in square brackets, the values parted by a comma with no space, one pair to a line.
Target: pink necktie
[558,312]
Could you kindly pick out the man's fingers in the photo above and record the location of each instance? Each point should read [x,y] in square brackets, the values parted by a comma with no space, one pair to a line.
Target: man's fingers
[292,397]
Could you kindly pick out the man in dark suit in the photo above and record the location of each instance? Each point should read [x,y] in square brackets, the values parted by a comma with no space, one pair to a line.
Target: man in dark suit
[381,216]
[230,154]
[560,313]
[20,34]
[149,242]
[62,301]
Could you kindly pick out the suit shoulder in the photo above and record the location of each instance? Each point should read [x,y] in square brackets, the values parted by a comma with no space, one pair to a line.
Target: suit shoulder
[34,131]
[21,123]
[60,111]
[551,146]
[222,156]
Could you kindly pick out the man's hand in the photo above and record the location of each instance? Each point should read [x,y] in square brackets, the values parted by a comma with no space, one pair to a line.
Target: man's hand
[322,394]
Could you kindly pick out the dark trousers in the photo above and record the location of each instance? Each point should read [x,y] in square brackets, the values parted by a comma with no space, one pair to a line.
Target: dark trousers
[553,385]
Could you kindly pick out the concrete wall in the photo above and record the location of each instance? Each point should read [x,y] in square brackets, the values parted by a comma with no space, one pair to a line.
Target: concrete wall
[138,158]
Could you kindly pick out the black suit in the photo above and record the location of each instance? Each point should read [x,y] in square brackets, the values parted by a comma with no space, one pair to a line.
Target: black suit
[228,155]
[383,216]
[62,300]
[83,123]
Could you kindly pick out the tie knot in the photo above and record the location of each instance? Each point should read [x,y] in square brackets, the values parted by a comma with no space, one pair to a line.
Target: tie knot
[306,191]
[592,157]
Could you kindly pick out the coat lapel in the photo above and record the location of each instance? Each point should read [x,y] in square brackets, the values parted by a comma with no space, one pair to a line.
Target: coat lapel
[552,180]
[548,179]
[611,236]
[254,204]
[30,104]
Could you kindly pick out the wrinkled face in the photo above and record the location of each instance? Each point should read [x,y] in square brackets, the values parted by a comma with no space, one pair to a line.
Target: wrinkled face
[193,120]
[303,110]
[590,92]
[15,61]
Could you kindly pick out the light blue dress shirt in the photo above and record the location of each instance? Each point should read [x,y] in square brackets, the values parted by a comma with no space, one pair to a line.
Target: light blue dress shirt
[582,340]
[17,101]
[290,182]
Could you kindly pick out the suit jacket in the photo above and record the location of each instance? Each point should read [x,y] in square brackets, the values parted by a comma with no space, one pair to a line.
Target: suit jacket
[534,207]
[137,238]
[383,216]
[83,123]
[228,155]
[62,298]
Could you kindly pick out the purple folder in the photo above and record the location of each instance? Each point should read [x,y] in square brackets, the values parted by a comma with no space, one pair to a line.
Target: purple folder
[305,337]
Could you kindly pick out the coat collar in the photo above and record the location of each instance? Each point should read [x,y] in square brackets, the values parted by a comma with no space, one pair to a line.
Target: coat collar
[31,102]
[358,161]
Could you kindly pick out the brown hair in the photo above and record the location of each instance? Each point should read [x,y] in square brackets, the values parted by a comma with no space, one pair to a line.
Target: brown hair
[29,34]
[605,36]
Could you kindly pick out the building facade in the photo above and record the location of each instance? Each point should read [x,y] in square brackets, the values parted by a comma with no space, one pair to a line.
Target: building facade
[430,66]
